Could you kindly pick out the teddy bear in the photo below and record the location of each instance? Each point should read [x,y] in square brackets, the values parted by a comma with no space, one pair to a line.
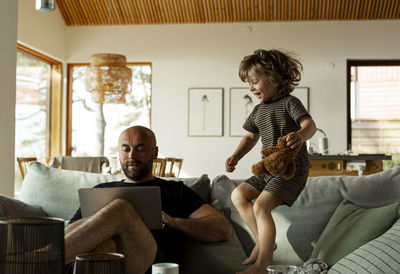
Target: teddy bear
[277,159]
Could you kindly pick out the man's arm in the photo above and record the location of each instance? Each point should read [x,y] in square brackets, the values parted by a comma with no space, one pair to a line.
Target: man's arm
[204,224]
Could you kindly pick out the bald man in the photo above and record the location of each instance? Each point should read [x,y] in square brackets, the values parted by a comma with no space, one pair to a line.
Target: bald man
[118,227]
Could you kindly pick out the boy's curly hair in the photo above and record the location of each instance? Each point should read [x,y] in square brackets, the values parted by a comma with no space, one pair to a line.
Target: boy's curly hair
[280,68]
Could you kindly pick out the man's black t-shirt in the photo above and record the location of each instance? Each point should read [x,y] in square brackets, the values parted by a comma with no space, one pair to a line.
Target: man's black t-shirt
[177,200]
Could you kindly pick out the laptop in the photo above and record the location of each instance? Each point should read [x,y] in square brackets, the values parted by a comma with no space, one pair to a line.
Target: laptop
[146,200]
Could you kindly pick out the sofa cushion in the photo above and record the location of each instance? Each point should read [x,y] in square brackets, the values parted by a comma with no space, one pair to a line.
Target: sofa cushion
[10,207]
[56,190]
[352,226]
[381,255]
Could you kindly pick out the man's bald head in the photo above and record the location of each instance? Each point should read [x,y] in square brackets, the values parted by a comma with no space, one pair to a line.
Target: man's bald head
[139,130]
[137,150]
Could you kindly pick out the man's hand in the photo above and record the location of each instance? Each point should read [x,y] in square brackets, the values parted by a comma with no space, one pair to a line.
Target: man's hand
[230,163]
[167,220]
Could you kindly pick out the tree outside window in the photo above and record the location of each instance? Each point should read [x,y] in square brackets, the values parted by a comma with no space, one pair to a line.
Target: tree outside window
[95,127]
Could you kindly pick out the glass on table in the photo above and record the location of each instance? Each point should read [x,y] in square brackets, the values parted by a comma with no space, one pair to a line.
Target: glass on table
[283,269]
[100,263]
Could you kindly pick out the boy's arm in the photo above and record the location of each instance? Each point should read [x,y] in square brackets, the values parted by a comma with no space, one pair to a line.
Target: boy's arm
[307,130]
[245,145]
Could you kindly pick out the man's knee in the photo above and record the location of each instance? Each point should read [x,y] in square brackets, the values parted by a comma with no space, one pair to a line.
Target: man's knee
[118,208]
[120,205]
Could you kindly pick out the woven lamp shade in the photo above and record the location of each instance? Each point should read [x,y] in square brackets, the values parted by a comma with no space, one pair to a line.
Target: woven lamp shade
[108,78]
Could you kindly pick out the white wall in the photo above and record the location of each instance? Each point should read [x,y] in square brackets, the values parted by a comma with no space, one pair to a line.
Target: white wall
[42,31]
[208,55]
[8,56]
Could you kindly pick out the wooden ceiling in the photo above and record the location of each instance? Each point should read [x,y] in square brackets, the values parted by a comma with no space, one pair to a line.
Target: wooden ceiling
[137,12]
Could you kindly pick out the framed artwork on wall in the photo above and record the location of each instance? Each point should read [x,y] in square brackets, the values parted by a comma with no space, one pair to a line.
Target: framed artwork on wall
[303,94]
[241,103]
[205,111]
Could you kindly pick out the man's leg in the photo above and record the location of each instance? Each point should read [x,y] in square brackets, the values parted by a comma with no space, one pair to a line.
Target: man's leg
[117,221]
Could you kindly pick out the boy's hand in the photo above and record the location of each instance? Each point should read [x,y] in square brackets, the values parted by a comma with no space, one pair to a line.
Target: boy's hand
[294,140]
[230,163]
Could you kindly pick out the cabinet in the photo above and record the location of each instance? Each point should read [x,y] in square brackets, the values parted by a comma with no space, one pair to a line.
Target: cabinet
[351,165]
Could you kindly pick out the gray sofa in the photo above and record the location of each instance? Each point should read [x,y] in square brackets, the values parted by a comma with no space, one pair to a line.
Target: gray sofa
[302,229]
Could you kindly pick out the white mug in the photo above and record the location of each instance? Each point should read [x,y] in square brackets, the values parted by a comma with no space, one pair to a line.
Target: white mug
[165,268]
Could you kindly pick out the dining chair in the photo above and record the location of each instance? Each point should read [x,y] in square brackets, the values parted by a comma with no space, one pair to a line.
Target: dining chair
[172,167]
[159,167]
[23,163]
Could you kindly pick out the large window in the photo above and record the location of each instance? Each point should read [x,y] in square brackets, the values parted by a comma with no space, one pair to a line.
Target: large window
[374,108]
[37,108]
[93,129]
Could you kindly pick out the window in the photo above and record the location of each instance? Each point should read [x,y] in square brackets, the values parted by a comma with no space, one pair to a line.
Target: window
[37,107]
[374,108]
[93,129]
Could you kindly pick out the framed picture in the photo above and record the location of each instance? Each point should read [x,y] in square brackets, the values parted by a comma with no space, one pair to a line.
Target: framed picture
[303,94]
[205,110]
[241,103]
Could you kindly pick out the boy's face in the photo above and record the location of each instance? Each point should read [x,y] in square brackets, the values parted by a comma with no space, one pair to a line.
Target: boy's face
[261,87]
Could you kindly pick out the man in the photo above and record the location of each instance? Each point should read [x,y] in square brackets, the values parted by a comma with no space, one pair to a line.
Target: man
[117,227]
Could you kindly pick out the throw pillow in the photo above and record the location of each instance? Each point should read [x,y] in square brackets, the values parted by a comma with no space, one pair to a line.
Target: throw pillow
[10,207]
[222,257]
[56,190]
[222,187]
[381,255]
[350,227]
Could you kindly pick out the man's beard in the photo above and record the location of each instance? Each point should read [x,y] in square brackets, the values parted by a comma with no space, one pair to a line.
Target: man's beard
[139,172]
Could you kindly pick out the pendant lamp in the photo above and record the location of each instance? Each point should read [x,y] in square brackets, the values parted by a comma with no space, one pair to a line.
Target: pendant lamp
[108,78]
[45,5]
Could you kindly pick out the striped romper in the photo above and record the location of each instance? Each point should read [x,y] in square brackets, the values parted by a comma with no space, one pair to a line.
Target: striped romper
[272,120]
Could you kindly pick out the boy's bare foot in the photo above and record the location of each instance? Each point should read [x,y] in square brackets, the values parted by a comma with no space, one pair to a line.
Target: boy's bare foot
[254,254]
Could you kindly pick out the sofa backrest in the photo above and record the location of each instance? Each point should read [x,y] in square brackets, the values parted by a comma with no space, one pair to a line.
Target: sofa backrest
[56,190]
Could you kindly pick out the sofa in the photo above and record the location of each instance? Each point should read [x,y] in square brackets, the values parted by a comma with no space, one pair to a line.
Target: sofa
[349,224]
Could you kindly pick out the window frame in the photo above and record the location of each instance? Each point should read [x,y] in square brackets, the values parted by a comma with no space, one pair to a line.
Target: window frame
[68,128]
[366,63]
[54,118]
